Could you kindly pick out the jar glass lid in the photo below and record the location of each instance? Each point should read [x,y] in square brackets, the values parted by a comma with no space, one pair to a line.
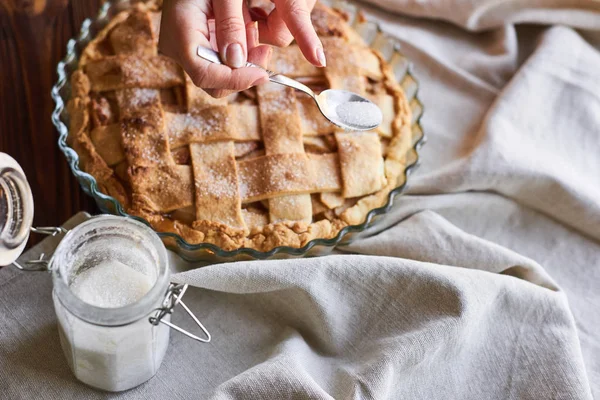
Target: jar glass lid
[16,210]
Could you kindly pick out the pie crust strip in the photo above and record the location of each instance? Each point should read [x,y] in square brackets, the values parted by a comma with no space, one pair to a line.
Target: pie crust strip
[217,195]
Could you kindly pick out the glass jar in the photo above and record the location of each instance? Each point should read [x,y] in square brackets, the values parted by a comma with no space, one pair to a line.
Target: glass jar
[112,295]
[16,209]
[111,348]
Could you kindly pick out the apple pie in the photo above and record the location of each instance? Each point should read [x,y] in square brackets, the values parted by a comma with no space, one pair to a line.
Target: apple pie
[257,169]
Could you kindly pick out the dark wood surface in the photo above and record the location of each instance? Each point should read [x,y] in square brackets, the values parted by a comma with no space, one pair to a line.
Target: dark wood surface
[33,37]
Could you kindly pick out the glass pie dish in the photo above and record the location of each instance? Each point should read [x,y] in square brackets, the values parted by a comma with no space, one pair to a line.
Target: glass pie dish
[372,35]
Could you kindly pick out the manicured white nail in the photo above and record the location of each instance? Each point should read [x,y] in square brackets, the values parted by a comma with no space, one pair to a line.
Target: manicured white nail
[321,57]
[235,56]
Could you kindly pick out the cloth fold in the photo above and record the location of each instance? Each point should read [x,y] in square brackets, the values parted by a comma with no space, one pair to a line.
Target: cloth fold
[355,327]
[478,15]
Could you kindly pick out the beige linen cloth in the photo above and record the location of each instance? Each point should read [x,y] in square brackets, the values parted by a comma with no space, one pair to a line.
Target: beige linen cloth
[484,281]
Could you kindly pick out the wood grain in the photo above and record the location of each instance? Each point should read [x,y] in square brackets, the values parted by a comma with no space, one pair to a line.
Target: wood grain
[33,37]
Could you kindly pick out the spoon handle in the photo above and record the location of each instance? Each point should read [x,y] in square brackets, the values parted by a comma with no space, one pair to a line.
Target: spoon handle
[213,56]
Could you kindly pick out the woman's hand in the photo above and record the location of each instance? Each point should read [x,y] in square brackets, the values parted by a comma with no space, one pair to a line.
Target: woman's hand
[232,29]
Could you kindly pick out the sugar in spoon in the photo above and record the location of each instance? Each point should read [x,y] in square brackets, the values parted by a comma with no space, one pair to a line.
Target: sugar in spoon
[343,108]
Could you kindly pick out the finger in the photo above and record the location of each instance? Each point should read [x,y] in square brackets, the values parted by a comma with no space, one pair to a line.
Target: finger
[215,76]
[231,32]
[252,36]
[187,29]
[296,16]
[251,29]
[212,34]
[219,93]
[273,30]
[246,13]
[184,26]
[261,55]
[272,27]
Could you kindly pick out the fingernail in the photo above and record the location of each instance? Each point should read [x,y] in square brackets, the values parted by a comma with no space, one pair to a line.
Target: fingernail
[321,57]
[235,55]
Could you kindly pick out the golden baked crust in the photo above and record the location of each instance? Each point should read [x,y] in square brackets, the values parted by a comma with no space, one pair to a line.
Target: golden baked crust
[259,169]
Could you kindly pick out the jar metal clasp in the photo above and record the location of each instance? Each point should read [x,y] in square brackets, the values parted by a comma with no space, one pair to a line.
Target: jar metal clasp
[172,298]
[41,264]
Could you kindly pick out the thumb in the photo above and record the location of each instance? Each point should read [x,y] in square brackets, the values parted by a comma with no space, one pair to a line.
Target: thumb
[231,32]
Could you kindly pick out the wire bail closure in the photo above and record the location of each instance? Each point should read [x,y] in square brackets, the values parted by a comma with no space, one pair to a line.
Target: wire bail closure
[172,299]
[49,230]
[33,265]
[40,264]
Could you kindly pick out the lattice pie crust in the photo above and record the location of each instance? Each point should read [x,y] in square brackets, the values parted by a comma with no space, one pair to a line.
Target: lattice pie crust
[258,169]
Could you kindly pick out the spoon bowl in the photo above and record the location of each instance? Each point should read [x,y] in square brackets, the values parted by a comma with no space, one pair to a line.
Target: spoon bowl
[345,109]
[349,110]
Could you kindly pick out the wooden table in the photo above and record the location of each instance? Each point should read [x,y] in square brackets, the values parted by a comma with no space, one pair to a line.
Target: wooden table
[33,38]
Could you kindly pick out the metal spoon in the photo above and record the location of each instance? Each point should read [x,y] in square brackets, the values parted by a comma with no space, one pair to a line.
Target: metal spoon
[343,108]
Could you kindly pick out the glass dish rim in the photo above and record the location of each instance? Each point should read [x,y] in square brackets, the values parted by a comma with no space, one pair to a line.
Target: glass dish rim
[94,191]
